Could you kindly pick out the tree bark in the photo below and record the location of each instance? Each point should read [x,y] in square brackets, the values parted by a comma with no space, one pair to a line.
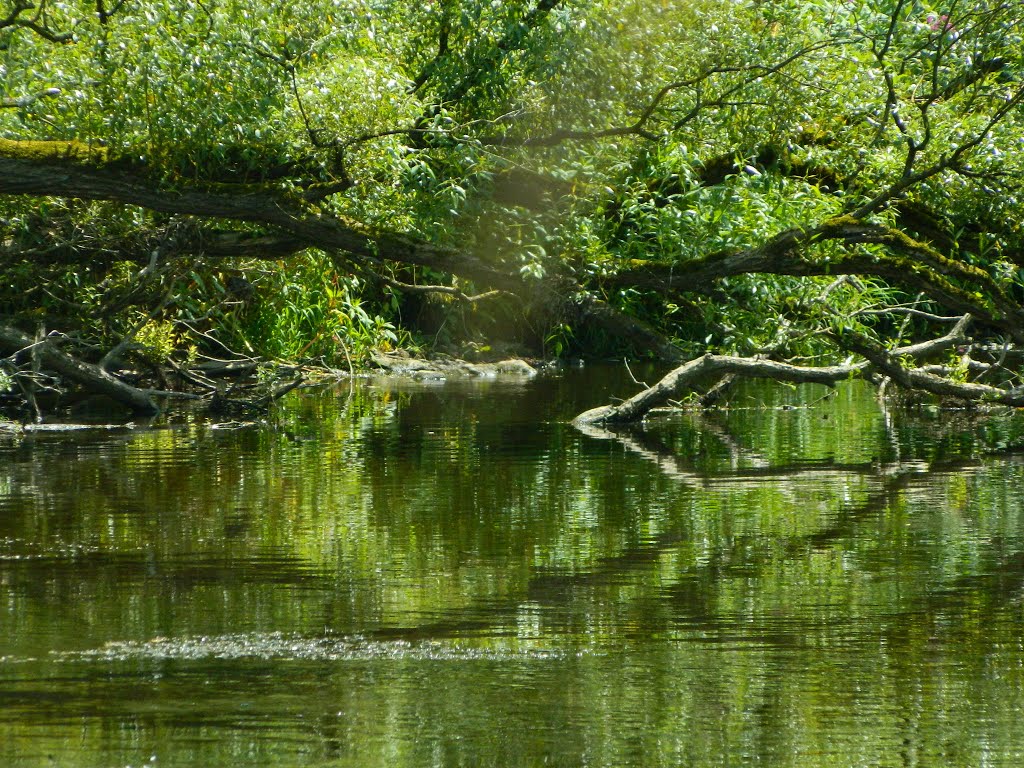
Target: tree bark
[62,175]
[91,377]
[66,169]
[62,169]
[909,263]
[681,381]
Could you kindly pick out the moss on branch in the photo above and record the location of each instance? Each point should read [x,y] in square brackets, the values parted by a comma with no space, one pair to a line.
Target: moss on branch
[80,152]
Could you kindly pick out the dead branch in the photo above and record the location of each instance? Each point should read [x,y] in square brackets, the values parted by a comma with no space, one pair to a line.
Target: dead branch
[442,289]
[685,378]
[91,377]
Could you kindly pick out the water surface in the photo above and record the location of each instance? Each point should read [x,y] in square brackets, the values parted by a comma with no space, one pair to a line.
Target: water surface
[428,573]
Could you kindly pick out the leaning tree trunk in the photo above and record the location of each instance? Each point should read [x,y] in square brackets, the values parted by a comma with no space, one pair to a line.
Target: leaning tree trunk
[68,169]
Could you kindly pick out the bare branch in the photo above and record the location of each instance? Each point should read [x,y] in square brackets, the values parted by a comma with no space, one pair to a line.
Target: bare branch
[638,127]
[21,102]
[37,24]
[685,378]
[442,289]
[952,161]
[88,375]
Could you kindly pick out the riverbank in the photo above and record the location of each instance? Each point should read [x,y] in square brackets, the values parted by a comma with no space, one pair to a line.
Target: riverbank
[60,386]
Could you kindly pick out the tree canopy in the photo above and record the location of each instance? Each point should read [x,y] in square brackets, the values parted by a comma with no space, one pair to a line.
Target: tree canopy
[807,182]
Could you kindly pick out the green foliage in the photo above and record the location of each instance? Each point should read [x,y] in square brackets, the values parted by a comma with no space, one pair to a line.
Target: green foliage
[664,132]
[157,339]
[308,312]
[559,340]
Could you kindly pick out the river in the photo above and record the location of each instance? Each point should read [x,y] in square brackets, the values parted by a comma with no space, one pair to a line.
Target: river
[424,573]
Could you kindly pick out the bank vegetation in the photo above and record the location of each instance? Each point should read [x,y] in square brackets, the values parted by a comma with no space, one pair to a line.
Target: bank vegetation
[798,190]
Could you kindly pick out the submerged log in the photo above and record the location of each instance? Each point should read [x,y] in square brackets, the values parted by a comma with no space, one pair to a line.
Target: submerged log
[90,377]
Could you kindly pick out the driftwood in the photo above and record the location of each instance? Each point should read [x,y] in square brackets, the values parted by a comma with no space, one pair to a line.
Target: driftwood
[222,404]
[682,380]
[47,356]
[877,363]
[90,377]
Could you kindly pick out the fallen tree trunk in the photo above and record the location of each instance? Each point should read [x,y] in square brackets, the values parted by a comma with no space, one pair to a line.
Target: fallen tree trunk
[927,381]
[90,377]
[877,361]
[681,380]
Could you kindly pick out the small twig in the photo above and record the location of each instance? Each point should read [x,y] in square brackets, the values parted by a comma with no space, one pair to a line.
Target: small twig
[906,318]
[837,283]
[348,359]
[630,372]
[28,384]
[907,311]
[199,381]
[237,355]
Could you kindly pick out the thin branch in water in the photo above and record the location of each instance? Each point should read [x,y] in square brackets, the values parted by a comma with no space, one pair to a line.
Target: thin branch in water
[631,376]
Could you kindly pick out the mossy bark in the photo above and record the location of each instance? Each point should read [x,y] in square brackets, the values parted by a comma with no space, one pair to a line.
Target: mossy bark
[56,152]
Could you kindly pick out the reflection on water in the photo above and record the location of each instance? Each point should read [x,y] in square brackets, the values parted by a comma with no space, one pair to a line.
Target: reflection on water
[426,573]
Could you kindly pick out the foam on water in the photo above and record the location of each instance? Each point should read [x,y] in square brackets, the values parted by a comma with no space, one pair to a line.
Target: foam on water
[283,646]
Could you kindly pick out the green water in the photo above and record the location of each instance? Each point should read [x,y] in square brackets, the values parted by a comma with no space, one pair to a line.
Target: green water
[418,574]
